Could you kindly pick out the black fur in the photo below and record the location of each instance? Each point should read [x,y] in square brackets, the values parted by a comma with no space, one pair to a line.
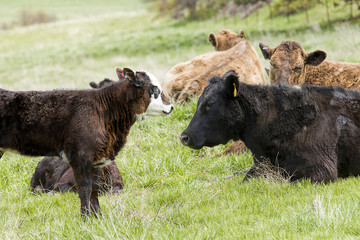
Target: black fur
[312,132]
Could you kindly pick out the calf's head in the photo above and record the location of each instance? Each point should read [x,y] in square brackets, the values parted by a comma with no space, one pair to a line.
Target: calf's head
[288,61]
[225,39]
[218,112]
[159,105]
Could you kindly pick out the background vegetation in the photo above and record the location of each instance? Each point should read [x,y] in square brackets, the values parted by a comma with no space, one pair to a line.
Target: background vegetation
[172,192]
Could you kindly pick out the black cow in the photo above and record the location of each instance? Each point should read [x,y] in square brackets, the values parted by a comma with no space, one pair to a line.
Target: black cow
[310,132]
[85,127]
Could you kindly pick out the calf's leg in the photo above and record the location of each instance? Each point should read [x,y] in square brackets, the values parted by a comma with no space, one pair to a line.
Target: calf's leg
[94,201]
[82,167]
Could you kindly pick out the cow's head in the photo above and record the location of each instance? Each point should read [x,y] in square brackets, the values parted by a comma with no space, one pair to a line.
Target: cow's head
[225,39]
[159,104]
[218,114]
[288,61]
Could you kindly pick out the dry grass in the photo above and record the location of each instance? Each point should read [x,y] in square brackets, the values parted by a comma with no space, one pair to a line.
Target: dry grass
[27,17]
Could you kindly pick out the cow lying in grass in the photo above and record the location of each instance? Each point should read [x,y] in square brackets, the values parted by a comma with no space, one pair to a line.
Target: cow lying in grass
[54,174]
[290,64]
[233,52]
[85,127]
[310,132]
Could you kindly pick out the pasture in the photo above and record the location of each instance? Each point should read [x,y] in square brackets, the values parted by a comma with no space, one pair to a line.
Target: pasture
[171,191]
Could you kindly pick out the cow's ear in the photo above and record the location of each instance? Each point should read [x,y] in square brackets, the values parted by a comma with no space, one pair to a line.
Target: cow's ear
[315,58]
[212,40]
[231,83]
[128,74]
[241,34]
[94,85]
[120,73]
[266,51]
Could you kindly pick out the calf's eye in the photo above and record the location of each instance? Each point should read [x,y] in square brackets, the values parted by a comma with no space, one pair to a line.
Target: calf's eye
[156,92]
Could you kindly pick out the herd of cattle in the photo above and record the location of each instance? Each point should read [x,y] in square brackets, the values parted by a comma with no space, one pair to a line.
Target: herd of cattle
[309,131]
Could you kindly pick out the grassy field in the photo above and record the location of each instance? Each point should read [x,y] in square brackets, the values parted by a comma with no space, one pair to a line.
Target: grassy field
[172,192]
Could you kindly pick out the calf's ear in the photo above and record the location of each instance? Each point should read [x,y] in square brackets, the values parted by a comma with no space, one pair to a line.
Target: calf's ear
[212,40]
[94,85]
[231,83]
[128,74]
[241,34]
[315,58]
[120,73]
[266,51]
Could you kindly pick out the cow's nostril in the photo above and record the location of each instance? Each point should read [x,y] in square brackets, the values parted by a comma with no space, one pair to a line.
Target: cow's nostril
[171,109]
[184,138]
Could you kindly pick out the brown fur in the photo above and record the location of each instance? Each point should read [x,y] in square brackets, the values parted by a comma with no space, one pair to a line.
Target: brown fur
[225,39]
[291,64]
[54,174]
[190,78]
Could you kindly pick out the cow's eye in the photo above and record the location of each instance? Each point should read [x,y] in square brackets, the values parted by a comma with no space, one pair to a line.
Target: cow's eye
[209,105]
[156,92]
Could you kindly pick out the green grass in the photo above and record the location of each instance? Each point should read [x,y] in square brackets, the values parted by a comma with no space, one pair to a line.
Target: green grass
[172,192]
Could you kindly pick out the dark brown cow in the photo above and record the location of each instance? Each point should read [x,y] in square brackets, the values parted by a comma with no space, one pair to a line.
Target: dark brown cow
[85,127]
[310,132]
[290,64]
[54,174]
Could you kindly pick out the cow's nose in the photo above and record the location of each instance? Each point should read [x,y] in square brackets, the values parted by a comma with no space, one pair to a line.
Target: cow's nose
[184,138]
[171,109]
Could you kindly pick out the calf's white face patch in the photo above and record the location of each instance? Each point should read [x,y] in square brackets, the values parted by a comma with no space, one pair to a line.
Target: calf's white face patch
[159,106]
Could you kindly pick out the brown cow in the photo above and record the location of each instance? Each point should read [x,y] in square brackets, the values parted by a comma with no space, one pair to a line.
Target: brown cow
[190,78]
[225,39]
[54,174]
[290,64]
[85,127]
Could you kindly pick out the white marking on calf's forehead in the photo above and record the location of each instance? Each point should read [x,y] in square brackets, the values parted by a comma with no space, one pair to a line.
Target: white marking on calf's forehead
[154,80]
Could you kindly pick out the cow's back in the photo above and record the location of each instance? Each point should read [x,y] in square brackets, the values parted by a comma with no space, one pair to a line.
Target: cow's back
[346,75]
[35,122]
[190,78]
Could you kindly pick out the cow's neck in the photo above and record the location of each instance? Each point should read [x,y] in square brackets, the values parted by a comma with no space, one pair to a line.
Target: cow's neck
[115,102]
[258,104]
[118,116]
[321,74]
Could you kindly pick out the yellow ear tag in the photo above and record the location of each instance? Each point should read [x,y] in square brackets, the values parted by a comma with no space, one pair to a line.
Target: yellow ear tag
[234,90]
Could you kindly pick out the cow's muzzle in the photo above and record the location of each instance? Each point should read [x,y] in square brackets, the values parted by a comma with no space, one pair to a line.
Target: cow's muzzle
[168,112]
[185,139]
